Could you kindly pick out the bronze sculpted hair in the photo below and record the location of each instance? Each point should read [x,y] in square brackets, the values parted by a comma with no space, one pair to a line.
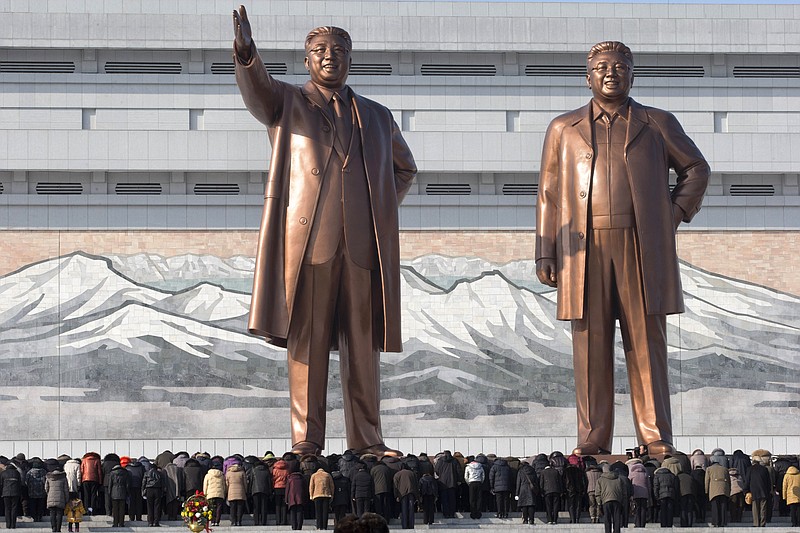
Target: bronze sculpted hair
[329,30]
[610,46]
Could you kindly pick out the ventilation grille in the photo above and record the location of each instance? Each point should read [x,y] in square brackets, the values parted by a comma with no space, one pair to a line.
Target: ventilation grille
[137,188]
[58,188]
[2,189]
[458,70]
[555,70]
[216,189]
[36,67]
[448,189]
[641,71]
[766,72]
[688,71]
[275,69]
[520,189]
[371,69]
[752,190]
[140,67]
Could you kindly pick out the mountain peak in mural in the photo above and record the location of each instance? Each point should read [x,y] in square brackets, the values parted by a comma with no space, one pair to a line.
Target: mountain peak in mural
[480,339]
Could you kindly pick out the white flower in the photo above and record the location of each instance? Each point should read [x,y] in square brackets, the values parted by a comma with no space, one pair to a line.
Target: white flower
[197,515]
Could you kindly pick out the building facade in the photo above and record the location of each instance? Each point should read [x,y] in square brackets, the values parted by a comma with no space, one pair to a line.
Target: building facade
[132,188]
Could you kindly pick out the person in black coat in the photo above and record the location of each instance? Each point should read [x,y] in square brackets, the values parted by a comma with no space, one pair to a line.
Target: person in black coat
[361,490]
[153,491]
[259,488]
[500,483]
[758,483]
[429,491]
[136,502]
[527,491]
[382,479]
[11,484]
[118,486]
[447,472]
[552,487]
[575,485]
[193,474]
[341,497]
[109,462]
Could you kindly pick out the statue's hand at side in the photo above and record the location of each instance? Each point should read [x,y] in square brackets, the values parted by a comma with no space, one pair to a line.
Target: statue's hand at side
[243,35]
[546,272]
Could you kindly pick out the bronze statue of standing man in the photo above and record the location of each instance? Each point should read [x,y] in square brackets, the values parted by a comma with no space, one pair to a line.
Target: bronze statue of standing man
[605,236]
[327,269]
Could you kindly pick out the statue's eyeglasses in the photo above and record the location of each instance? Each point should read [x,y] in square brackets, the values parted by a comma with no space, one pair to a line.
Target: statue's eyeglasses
[603,68]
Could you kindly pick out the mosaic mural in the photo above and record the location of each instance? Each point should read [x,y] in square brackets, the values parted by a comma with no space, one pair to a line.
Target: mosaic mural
[141,345]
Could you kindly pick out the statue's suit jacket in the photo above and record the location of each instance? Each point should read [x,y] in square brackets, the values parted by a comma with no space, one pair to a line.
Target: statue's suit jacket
[655,142]
[302,148]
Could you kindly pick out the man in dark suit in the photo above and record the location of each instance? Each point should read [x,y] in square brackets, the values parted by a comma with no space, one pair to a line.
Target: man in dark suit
[327,267]
[605,236]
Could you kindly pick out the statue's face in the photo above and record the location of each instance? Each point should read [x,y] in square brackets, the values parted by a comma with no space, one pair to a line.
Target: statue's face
[328,61]
[610,76]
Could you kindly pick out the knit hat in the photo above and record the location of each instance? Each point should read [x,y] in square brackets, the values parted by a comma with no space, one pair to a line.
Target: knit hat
[124,461]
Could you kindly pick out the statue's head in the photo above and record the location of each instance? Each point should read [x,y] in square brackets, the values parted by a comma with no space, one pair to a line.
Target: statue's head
[609,71]
[328,56]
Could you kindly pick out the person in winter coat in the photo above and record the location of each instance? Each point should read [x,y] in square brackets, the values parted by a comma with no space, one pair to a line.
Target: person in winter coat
[11,489]
[237,492]
[37,496]
[153,491]
[320,490]
[575,486]
[666,491]
[740,462]
[193,475]
[361,490]
[382,476]
[718,490]
[342,502]
[348,464]
[57,489]
[552,487]
[642,489]
[280,473]
[406,491]
[758,483]
[500,483]
[173,490]
[135,501]
[118,487]
[74,512]
[611,492]
[790,492]
[295,497]
[700,500]
[259,488]
[447,473]
[526,491]
[109,462]
[72,469]
[736,501]
[429,491]
[215,489]
[91,478]
[686,487]
[593,473]
[474,475]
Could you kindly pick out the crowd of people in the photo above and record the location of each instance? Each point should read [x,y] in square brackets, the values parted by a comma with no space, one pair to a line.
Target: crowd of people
[696,488]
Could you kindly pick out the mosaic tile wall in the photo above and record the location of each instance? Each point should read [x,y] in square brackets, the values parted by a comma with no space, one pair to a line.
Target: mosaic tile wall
[141,335]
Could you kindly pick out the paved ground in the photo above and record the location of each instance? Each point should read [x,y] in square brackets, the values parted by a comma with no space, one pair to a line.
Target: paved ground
[93,524]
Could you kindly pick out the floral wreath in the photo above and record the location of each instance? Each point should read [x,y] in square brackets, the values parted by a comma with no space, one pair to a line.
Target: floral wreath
[197,513]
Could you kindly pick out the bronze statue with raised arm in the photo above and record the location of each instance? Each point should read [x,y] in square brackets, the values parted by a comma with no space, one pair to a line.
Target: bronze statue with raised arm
[605,237]
[327,271]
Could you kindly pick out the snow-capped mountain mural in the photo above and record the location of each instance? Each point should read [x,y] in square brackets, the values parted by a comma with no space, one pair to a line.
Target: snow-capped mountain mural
[116,338]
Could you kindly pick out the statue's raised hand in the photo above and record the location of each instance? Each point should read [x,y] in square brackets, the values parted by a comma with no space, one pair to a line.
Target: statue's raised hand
[243,35]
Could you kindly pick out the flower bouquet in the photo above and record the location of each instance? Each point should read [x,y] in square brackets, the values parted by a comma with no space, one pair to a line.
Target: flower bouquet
[197,513]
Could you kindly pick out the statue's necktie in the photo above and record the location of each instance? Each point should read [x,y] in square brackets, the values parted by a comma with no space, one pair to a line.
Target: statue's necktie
[343,124]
